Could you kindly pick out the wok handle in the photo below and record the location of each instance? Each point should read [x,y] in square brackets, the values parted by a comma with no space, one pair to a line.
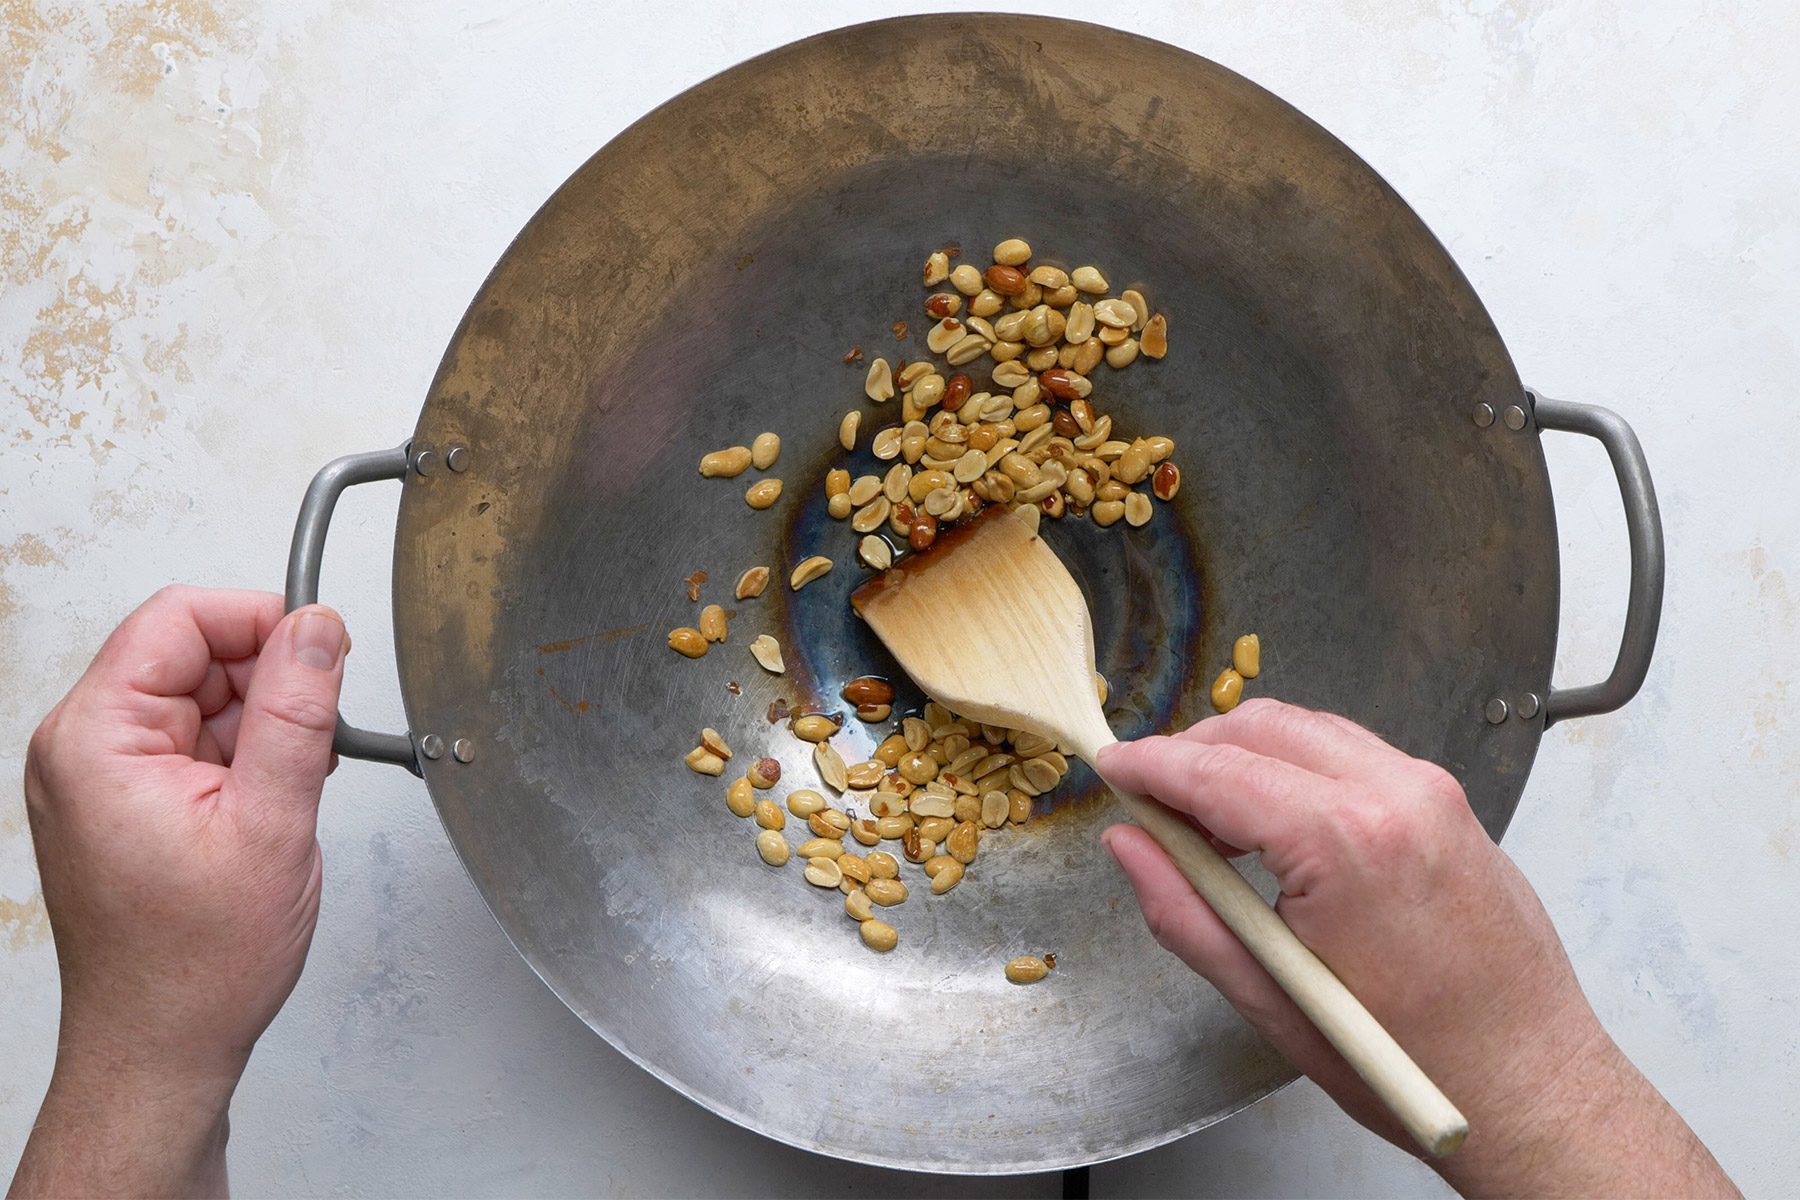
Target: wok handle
[304,559]
[1416,1102]
[1643,529]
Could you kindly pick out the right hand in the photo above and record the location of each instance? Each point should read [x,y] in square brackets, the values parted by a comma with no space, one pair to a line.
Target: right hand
[1387,876]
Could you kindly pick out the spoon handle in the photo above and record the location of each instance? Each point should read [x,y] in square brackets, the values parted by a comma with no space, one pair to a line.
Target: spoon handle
[1390,1073]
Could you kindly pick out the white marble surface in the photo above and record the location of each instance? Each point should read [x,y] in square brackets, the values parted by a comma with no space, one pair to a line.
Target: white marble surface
[235,237]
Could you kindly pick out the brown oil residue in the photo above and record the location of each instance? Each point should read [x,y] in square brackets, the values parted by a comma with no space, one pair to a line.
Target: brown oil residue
[605,635]
[572,707]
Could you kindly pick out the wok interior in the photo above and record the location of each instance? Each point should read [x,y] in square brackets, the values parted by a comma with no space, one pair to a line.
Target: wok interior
[1334,500]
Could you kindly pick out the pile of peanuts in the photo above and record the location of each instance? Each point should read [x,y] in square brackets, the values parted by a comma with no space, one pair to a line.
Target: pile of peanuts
[936,787]
[1033,438]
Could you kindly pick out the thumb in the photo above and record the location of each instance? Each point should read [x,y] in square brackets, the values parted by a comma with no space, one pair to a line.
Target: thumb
[283,748]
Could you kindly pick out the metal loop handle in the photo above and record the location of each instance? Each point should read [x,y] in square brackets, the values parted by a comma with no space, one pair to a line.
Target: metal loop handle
[1643,529]
[304,559]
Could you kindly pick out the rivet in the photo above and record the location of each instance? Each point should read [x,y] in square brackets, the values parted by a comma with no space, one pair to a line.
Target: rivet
[431,746]
[1496,711]
[1514,416]
[457,458]
[464,750]
[1484,415]
[1528,705]
[425,461]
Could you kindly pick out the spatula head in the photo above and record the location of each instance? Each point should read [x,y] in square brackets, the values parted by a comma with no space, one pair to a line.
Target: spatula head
[992,625]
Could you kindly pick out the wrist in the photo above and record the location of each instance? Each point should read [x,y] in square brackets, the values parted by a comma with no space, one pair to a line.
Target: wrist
[1538,1130]
[111,1125]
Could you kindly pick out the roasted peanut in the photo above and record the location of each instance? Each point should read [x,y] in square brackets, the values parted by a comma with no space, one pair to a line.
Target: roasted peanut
[1155,338]
[1018,806]
[763,493]
[822,871]
[937,268]
[867,774]
[1137,509]
[1246,656]
[809,570]
[764,773]
[878,384]
[1227,690]
[831,766]
[815,847]
[813,727]
[875,551]
[868,689]
[1013,252]
[1028,968]
[859,907]
[829,823]
[773,848]
[687,641]
[805,802]
[879,935]
[943,304]
[712,623]
[723,464]
[751,583]
[704,761]
[886,892]
[963,842]
[1005,280]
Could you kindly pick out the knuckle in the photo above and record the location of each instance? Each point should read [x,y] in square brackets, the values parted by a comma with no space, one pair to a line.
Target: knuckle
[304,711]
[1437,786]
[1260,710]
[1381,831]
[1163,922]
[170,595]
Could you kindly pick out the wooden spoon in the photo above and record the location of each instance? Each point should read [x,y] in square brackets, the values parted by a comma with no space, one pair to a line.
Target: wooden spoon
[1042,679]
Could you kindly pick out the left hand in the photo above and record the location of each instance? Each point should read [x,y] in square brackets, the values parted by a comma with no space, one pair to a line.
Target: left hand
[173,797]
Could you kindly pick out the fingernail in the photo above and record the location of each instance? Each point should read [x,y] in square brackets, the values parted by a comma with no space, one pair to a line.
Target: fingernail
[318,639]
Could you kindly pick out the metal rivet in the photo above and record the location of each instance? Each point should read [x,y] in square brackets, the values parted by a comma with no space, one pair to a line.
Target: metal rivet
[1514,416]
[431,746]
[1528,705]
[457,458]
[1484,415]
[1496,711]
[464,750]
[425,461]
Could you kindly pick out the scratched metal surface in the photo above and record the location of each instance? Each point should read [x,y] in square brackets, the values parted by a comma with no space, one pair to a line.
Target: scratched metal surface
[698,281]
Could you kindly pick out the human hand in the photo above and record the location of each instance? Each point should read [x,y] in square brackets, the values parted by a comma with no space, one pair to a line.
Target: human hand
[173,797]
[1387,876]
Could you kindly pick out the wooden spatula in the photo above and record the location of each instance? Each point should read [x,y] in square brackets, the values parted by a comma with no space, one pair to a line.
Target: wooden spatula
[1042,679]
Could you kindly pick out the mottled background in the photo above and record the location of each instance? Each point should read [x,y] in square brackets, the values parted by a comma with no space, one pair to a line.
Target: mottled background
[235,236]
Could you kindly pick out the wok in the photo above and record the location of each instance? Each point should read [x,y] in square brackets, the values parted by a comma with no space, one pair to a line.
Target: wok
[1364,487]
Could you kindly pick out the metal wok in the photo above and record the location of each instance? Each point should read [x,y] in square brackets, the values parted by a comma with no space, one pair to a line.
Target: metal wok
[1364,487]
